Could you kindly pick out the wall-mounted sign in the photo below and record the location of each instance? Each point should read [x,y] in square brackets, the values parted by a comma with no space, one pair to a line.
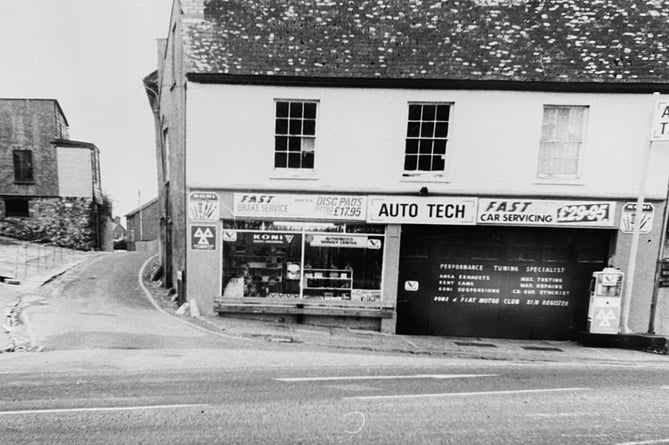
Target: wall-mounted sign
[350,241]
[661,122]
[628,215]
[277,205]
[203,237]
[203,206]
[530,212]
[421,210]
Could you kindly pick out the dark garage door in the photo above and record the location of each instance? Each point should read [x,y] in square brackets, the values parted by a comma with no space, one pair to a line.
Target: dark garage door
[497,281]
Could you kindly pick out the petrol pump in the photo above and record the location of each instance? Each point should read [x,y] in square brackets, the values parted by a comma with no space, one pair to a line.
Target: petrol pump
[606,289]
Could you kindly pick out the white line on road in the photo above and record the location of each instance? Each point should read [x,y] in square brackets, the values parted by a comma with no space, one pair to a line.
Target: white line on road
[465,394]
[382,377]
[100,408]
[646,442]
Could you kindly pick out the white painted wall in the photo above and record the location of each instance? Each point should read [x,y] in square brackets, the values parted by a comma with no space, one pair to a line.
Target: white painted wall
[75,174]
[493,146]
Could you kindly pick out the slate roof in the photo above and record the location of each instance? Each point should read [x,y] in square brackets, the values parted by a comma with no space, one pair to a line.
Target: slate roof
[619,41]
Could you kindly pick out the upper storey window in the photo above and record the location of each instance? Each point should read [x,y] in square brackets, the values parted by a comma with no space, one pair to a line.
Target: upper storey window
[23,166]
[295,134]
[427,135]
[562,137]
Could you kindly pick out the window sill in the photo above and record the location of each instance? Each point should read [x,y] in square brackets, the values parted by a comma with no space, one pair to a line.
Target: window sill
[25,182]
[426,177]
[294,174]
[558,181]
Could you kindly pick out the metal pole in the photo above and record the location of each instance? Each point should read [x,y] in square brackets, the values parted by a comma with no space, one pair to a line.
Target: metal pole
[139,200]
[638,211]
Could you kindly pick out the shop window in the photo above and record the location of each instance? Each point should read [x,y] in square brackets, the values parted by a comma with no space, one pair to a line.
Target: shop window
[487,246]
[522,246]
[562,134]
[17,207]
[23,166]
[426,138]
[294,134]
[303,263]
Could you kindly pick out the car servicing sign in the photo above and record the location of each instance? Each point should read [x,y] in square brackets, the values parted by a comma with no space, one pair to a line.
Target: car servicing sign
[284,205]
[531,212]
[421,210]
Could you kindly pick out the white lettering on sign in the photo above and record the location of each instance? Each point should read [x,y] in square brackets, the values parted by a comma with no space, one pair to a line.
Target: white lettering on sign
[661,122]
[421,210]
[545,212]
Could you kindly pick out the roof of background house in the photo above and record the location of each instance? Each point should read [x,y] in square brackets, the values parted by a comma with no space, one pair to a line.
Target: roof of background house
[36,100]
[74,144]
[142,207]
[611,41]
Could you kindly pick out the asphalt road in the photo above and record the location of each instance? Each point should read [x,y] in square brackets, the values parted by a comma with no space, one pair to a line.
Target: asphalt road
[458,402]
[115,370]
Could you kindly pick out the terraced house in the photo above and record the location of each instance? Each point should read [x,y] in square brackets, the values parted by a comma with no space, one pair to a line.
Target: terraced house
[49,184]
[456,167]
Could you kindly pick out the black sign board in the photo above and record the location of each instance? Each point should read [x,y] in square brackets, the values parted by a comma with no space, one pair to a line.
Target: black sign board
[664,274]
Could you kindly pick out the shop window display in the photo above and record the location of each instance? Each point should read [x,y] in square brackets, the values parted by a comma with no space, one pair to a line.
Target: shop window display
[294,260]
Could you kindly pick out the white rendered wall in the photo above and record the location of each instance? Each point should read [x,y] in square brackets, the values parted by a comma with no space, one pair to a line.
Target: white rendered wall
[75,172]
[492,149]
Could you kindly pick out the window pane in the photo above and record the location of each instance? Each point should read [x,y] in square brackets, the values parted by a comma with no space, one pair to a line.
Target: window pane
[310,111]
[280,160]
[295,126]
[282,109]
[296,109]
[441,130]
[440,147]
[438,163]
[426,146]
[410,162]
[281,126]
[414,112]
[294,160]
[413,129]
[443,112]
[308,144]
[427,129]
[308,159]
[309,127]
[429,112]
[424,162]
[281,143]
[294,144]
[412,146]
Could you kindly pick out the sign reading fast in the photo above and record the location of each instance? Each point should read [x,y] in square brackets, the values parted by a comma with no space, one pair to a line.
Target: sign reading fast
[421,210]
[546,212]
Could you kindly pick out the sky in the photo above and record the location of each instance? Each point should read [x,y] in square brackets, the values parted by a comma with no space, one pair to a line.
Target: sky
[91,56]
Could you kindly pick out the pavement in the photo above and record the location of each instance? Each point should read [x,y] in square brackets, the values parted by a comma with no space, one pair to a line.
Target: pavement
[24,268]
[15,333]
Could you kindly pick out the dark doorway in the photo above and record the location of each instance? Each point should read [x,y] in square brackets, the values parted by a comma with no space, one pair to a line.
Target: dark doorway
[497,281]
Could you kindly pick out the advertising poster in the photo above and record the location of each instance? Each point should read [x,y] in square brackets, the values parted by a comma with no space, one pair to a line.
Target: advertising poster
[203,206]
[421,210]
[530,212]
[276,205]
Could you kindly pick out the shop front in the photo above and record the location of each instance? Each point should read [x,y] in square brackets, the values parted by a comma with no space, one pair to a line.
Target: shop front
[304,257]
[521,271]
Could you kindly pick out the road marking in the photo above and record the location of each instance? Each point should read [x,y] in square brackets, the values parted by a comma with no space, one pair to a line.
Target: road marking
[382,377]
[465,394]
[100,408]
[645,442]
[552,415]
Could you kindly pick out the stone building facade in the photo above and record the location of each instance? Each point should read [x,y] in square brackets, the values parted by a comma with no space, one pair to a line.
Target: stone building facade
[49,184]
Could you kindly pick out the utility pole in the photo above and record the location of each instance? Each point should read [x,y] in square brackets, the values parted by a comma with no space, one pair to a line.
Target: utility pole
[139,200]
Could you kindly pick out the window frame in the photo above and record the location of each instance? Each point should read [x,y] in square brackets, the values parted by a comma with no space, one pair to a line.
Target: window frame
[15,201]
[544,142]
[423,174]
[20,176]
[288,137]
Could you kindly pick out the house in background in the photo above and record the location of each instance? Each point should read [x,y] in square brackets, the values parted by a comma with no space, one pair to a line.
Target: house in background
[119,234]
[142,227]
[50,188]
[438,168]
